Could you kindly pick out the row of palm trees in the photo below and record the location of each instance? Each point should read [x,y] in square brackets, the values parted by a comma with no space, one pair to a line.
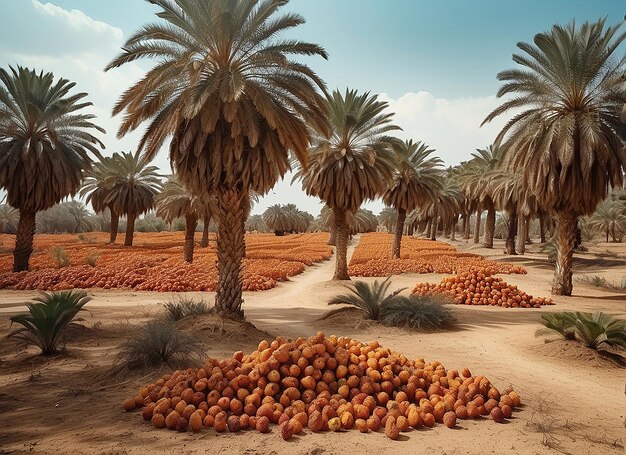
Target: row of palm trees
[237,108]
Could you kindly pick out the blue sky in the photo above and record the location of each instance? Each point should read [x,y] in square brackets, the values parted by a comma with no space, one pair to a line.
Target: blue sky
[434,61]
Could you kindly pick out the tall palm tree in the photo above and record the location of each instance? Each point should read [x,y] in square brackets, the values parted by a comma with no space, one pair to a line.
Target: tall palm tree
[9,217]
[96,188]
[235,104]
[414,182]
[256,223]
[476,180]
[45,147]
[278,219]
[445,205]
[134,190]
[176,201]
[609,218]
[570,88]
[80,218]
[353,165]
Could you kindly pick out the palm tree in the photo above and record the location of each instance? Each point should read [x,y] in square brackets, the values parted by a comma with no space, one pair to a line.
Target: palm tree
[235,104]
[277,219]
[176,201]
[610,218]
[45,147]
[363,221]
[353,165]
[565,141]
[80,217]
[445,205]
[476,179]
[9,217]
[414,182]
[256,223]
[134,190]
[96,188]
[388,218]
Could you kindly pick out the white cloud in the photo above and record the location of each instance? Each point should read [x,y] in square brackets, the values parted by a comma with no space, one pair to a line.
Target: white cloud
[77,20]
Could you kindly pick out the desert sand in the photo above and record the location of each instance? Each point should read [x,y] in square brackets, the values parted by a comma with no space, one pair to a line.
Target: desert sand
[574,399]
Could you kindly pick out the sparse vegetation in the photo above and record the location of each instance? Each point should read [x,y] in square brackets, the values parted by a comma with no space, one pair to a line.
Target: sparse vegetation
[369,298]
[597,331]
[159,342]
[182,307]
[92,258]
[48,317]
[600,282]
[59,257]
[417,312]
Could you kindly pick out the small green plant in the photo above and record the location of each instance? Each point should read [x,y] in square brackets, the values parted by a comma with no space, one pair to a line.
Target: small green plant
[416,312]
[597,331]
[183,307]
[92,258]
[48,317]
[159,342]
[368,298]
[600,282]
[59,256]
[89,238]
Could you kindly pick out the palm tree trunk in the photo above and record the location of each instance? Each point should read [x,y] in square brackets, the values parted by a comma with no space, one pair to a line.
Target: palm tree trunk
[466,227]
[542,228]
[433,232]
[490,224]
[566,237]
[205,232]
[341,250]
[332,240]
[613,232]
[453,231]
[115,224]
[479,214]
[397,240]
[24,240]
[607,234]
[191,222]
[429,226]
[231,249]
[130,229]
[521,234]
[510,239]
[410,229]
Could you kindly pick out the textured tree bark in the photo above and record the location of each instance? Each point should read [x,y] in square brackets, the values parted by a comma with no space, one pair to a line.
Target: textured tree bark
[466,227]
[332,240]
[479,213]
[521,234]
[397,240]
[453,231]
[191,223]
[433,232]
[24,240]
[566,237]
[115,224]
[490,224]
[527,239]
[341,250]
[429,226]
[510,239]
[410,230]
[205,232]
[130,229]
[231,249]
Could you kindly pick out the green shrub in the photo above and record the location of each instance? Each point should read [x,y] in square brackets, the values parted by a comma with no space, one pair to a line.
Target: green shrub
[159,342]
[597,331]
[416,312]
[183,307]
[49,316]
[368,298]
[59,256]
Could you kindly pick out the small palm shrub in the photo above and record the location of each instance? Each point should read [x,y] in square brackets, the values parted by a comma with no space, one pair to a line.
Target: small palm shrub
[159,342]
[59,256]
[184,307]
[416,312]
[597,331]
[48,317]
[368,298]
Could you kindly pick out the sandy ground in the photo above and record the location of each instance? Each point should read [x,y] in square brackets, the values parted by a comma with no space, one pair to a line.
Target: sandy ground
[574,399]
